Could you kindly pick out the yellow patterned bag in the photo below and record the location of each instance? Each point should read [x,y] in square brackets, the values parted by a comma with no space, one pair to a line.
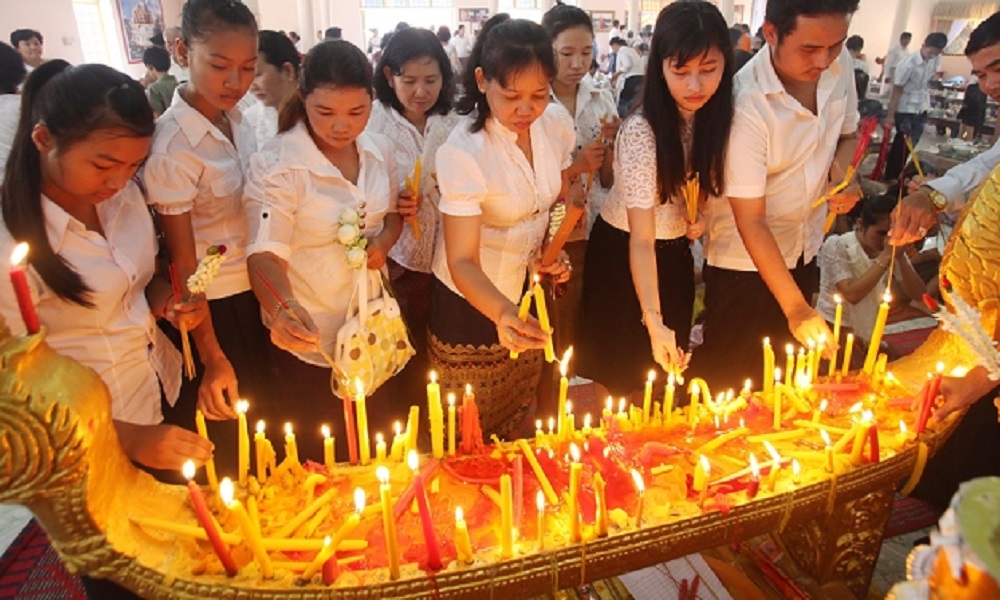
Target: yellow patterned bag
[373,344]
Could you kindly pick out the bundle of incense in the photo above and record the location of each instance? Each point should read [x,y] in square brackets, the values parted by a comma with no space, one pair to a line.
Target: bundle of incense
[574,211]
[913,156]
[868,126]
[600,140]
[883,154]
[413,185]
[197,283]
[692,194]
[178,294]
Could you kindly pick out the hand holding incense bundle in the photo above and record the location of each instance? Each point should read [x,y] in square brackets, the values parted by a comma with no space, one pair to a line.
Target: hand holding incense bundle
[692,195]
[197,283]
[867,129]
[413,185]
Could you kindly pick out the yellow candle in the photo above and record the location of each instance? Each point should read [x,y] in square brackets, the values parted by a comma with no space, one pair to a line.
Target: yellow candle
[918,470]
[768,368]
[243,440]
[838,317]
[800,368]
[575,472]
[668,400]
[291,448]
[563,392]
[361,415]
[522,313]
[398,443]
[213,480]
[789,364]
[540,504]
[602,506]
[777,410]
[412,429]
[506,517]
[796,471]
[586,425]
[569,420]
[539,434]
[828,448]
[463,545]
[543,319]
[261,452]
[250,535]
[640,488]
[693,392]
[860,433]
[451,424]
[436,416]
[819,411]
[388,521]
[702,469]
[848,349]
[330,546]
[329,457]
[380,453]
[877,331]
[772,478]
[543,481]
[647,397]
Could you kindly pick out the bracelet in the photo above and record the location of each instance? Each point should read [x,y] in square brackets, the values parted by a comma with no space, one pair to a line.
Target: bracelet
[279,305]
[881,266]
[650,310]
[166,304]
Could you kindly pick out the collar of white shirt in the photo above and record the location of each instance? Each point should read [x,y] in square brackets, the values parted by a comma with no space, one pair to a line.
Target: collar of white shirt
[194,124]
[767,80]
[58,222]
[298,148]
[585,92]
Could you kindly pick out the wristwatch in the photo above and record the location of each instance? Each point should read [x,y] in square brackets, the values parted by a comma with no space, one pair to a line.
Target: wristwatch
[939,200]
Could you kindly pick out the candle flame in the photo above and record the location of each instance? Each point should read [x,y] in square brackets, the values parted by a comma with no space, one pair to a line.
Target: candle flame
[413,460]
[822,340]
[767,341]
[382,474]
[552,424]
[288,429]
[540,500]
[823,405]
[621,405]
[671,379]
[188,469]
[773,452]
[826,437]
[867,416]
[743,423]
[789,349]
[609,403]
[705,465]
[586,420]
[902,427]
[460,515]
[747,386]
[811,344]
[451,399]
[260,427]
[537,278]
[569,407]
[19,254]
[651,376]
[640,485]
[607,451]
[326,431]
[398,427]
[564,363]
[468,389]
[434,376]
[887,297]
[717,423]
[379,438]
[754,467]
[939,367]
[359,500]
[538,424]
[838,298]
[327,541]
[242,406]
[226,491]
[574,452]
[856,408]
[777,374]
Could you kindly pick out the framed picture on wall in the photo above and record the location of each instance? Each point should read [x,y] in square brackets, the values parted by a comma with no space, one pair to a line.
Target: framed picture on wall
[473,15]
[602,20]
[140,20]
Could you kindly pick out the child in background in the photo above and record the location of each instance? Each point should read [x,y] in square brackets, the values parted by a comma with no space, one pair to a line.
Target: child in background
[161,91]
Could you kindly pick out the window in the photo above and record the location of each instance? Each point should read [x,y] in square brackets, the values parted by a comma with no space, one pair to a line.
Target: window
[93,38]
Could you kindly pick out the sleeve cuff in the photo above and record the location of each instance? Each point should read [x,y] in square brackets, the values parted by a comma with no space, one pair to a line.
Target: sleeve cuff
[460,209]
[173,209]
[282,251]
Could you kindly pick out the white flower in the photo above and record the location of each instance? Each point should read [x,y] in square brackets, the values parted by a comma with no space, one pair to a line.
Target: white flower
[357,257]
[349,216]
[348,234]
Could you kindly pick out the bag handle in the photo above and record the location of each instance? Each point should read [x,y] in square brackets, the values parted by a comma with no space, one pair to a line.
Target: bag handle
[363,278]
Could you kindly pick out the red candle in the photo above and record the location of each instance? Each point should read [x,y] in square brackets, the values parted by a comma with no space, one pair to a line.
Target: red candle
[330,570]
[754,487]
[518,481]
[352,434]
[201,510]
[873,443]
[402,505]
[926,402]
[472,433]
[19,279]
[430,537]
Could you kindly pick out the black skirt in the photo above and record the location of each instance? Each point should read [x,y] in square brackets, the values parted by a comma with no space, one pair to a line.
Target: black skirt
[613,344]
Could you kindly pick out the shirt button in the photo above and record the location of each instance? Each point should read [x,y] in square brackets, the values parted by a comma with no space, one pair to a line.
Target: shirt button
[133,277]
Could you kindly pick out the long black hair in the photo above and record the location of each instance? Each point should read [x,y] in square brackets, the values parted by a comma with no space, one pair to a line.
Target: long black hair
[407,45]
[685,30]
[504,48]
[330,64]
[72,103]
[277,50]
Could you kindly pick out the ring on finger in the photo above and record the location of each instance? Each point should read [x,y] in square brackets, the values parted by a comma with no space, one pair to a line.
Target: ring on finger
[922,231]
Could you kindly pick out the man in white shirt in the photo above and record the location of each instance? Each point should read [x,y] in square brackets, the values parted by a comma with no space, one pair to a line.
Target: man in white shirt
[894,56]
[178,69]
[616,29]
[792,138]
[910,100]
[462,46]
[949,193]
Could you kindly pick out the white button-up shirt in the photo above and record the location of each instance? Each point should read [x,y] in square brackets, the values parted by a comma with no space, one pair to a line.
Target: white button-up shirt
[193,168]
[408,144]
[485,174]
[781,151]
[962,179]
[914,73]
[117,337]
[294,200]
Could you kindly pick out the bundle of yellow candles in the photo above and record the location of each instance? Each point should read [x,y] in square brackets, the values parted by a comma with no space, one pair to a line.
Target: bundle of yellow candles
[692,196]
[413,186]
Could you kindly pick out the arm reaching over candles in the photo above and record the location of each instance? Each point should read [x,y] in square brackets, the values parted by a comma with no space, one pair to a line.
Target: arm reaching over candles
[162,446]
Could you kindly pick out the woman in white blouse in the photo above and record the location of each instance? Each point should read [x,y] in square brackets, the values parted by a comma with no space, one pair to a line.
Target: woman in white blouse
[321,162]
[276,76]
[596,122]
[499,172]
[413,87]
[70,196]
[639,291]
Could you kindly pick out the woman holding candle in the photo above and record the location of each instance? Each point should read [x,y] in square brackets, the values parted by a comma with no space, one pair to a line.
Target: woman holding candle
[321,163]
[639,293]
[856,264]
[69,194]
[499,172]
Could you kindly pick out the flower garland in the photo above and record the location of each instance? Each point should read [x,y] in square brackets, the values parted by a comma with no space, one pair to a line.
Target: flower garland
[208,268]
[349,235]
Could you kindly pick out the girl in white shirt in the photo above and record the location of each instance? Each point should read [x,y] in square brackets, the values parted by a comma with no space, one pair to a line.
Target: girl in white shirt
[194,179]
[70,196]
[321,163]
[639,290]
[413,86]
[276,77]
[500,171]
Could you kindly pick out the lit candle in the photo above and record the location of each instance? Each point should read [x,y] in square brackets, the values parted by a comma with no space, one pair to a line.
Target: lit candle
[250,535]
[933,388]
[330,546]
[601,511]
[754,486]
[243,440]
[789,364]
[329,456]
[828,448]
[522,313]
[388,522]
[451,424]
[904,435]
[205,519]
[412,429]
[772,477]
[380,448]
[426,520]
[873,445]
[647,398]
[877,331]
[768,368]
[820,410]
[702,471]
[838,317]
[860,431]
[776,425]
[543,480]
[506,518]
[575,472]
[540,504]
[668,399]
[539,434]
[19,279]
[640,488]
[213,480]
[463,544]
[543,319]
[260,450]
[350,428]
[361,406]
[796,471]
[518,470]
[436,415]
[848,349]
[563,392]
[569,419]
[291,448]
[398,443]
[800,368]
[586,424]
